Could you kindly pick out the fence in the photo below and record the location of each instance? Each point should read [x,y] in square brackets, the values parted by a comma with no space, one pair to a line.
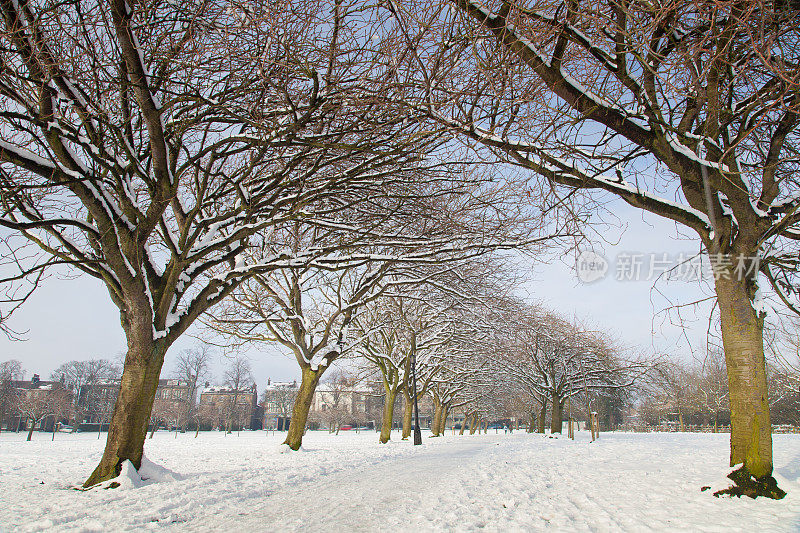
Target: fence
[692,428]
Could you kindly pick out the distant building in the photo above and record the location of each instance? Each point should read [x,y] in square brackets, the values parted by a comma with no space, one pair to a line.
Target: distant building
[49,402]
[277,404]
[227,408]
[342,403]
[349,399]
[97,400]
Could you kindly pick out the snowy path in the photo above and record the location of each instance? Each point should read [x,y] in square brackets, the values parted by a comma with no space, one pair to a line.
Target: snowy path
[359,499]
[509,483]
[494,482]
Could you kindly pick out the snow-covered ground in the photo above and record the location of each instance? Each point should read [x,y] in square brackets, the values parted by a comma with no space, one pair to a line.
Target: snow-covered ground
[495,482]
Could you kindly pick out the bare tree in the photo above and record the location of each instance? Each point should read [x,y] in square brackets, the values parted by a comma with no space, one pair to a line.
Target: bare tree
[9,371]
[678,389]
[335,399]
[395,329]
[192,367]
[552,358]
[239,380]
[82,379]
[37,404]
[714,387]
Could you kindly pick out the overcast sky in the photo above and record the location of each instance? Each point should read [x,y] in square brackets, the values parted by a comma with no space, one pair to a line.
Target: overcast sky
[75,319]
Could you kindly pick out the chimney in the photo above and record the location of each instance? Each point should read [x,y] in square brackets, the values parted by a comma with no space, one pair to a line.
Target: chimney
[35,378]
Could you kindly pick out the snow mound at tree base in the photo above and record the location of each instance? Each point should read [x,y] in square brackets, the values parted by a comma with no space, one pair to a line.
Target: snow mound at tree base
[130,478]
[153,473]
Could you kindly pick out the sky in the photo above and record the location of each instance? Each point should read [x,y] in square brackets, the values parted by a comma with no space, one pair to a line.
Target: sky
[73,318]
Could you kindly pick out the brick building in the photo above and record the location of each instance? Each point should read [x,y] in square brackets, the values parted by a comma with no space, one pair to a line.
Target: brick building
[227,408]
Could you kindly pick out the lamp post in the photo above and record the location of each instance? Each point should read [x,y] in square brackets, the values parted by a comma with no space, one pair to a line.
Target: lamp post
[417,432]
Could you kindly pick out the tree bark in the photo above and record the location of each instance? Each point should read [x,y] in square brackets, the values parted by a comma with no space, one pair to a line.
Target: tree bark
[302,405]
[443,420]
[555,422]
[30,431]
[437,416]
[408,411]
[388,416]
[128,427]
[473,424]
[742,339]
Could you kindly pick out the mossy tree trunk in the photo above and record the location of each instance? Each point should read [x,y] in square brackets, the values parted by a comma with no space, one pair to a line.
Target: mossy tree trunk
[743,342]
[302,406]
[408,411]
[443,419]
[437,414]
[388,415]
[128,427]
[473,424]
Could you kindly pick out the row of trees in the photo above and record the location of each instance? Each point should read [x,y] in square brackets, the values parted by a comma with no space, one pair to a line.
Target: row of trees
[684,394]
[237,159]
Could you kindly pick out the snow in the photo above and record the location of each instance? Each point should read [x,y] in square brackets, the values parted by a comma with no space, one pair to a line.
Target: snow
[348,482]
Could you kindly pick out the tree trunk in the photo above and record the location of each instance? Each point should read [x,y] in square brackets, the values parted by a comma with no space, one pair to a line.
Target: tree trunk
[30,431]
[128,427]
[302,405]
[437,416]
[443,420]
[555,422]
[463,424]
[408,412]
[388,416]
[742,339]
